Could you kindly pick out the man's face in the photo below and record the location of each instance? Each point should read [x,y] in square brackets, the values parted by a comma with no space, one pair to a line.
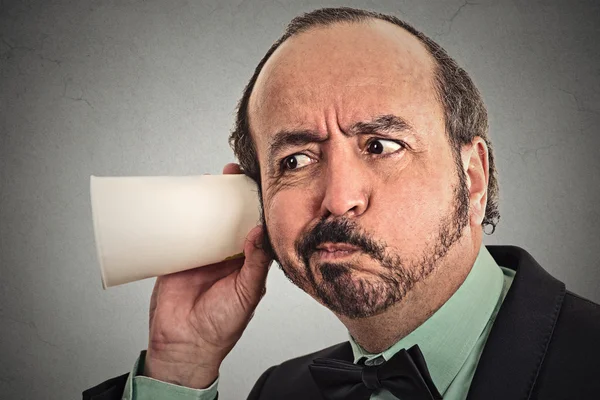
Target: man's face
[362,199]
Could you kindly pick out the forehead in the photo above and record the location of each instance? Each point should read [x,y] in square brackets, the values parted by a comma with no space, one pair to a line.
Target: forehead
[353,70]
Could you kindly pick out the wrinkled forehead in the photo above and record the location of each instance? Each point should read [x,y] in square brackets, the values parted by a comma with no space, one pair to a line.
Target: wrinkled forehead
[356,69]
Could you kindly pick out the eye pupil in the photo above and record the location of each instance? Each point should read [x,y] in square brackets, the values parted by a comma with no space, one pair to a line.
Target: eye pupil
[376,147]
[291,163]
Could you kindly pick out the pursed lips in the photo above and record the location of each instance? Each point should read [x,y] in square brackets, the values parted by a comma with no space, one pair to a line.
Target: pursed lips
[330,251]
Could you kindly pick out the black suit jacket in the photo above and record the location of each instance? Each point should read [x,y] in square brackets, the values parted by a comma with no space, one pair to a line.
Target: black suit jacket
[545,344]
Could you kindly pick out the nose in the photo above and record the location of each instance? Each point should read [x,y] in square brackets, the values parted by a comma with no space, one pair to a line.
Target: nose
[346,190]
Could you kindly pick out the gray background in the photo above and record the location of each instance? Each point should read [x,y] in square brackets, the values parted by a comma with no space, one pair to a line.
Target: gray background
[149,88]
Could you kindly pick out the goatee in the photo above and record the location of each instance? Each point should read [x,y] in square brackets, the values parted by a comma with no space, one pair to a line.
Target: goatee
[356,297]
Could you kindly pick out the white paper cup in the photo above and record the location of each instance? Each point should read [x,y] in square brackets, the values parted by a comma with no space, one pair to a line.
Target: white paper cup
[151,226]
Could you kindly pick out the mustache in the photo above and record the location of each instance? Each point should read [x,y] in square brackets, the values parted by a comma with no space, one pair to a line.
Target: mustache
[338,231]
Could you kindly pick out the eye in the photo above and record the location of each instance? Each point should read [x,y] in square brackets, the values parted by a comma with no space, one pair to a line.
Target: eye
[380,146]
[295,161]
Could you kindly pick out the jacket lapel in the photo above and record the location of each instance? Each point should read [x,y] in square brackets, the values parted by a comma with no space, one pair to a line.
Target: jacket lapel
[517,344]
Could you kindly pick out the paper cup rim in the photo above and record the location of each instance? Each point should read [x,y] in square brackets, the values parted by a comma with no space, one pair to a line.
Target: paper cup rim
[97,233]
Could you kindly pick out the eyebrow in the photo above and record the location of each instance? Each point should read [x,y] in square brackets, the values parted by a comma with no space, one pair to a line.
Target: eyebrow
[285,139]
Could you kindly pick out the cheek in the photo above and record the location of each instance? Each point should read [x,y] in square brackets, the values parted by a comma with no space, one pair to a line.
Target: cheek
[287,215]
[408,211]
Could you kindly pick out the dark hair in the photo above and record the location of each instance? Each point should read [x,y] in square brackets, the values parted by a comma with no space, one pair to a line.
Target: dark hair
[465,112]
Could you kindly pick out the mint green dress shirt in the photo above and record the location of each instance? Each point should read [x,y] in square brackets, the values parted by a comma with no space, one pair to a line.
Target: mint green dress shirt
[451,340]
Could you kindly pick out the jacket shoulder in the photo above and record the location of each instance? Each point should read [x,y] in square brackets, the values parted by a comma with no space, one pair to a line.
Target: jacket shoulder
[578,322]
[579,303]
[571,361]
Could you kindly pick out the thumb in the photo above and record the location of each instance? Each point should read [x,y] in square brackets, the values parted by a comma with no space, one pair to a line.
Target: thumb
[253,275]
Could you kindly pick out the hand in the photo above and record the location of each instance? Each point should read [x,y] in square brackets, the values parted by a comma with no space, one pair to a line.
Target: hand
[197,316]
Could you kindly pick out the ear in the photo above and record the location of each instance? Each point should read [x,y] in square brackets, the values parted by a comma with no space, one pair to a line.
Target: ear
[475,163]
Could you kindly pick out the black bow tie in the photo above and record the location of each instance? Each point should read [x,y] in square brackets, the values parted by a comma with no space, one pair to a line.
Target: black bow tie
[405,375]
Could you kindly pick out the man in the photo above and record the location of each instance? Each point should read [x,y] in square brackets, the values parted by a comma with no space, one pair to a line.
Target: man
[376,178]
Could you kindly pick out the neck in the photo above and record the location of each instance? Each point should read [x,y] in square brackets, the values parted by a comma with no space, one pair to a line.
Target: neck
[377,333]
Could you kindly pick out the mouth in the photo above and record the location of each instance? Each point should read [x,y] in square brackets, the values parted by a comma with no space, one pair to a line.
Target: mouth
[335,251]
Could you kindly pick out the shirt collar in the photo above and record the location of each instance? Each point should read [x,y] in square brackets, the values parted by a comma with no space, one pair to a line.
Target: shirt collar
[449,335]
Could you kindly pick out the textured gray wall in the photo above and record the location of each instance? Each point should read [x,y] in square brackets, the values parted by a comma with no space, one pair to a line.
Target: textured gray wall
[149,88]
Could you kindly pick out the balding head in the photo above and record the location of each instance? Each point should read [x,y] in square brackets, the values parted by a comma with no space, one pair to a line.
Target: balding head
[338,62]
[464,113]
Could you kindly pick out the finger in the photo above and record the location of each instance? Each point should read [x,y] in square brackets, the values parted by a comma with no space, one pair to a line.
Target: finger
[219,270]
[253,274]
[200,276]
[232,168]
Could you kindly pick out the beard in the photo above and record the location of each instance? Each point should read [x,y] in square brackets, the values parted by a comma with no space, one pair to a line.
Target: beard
[355,297]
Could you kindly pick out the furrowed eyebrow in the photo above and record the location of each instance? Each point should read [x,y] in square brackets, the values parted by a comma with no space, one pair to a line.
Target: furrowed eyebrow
[382,124]
[286,139]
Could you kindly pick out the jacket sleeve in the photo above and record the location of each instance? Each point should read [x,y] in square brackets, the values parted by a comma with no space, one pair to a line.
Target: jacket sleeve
[256,391]
[114,389]
[111,389]
[135,386]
